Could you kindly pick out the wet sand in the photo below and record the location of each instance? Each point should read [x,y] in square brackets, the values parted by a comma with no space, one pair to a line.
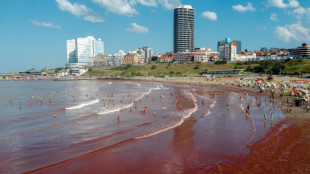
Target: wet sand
[285,149]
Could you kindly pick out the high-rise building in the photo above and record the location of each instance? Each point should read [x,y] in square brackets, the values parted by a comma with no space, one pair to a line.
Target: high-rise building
[219,43]
[148,54]
[227,41]
[228,52]
[239,48]
[183,29]
[79,50]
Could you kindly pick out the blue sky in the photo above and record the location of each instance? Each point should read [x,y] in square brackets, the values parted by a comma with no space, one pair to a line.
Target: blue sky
[34,32]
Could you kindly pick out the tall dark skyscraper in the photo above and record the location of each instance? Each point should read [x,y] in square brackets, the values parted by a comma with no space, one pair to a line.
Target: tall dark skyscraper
[183,28]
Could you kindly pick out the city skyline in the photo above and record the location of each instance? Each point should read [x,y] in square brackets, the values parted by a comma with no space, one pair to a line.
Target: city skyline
[34,33]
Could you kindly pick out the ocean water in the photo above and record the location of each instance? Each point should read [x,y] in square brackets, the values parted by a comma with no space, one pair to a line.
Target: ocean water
[46,122]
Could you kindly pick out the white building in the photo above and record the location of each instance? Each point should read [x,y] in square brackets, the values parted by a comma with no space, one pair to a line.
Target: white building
[80,49]
[63,72]
[228,51]
[148,52]
[116,59]
[203,55]
[78,71]
[246,56]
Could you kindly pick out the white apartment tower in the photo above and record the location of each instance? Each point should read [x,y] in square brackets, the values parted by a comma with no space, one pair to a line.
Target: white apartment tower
[228,51]
[79,50]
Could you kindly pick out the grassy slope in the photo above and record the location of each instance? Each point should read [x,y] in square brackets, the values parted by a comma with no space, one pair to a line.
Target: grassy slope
[162,69]
[297,65]
[193,69]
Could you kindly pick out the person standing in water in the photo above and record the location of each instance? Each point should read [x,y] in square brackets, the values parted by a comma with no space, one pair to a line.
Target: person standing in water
[163,108]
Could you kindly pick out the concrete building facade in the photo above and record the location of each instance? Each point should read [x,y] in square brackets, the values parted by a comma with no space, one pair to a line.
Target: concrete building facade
[79,50]
[183,29]
[183,57]
[302,51]
[228,51]
[116,59]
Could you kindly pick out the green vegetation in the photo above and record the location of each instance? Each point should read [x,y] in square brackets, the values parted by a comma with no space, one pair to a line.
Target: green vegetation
[289,67]
[220,62]
[153,67]
[158,69]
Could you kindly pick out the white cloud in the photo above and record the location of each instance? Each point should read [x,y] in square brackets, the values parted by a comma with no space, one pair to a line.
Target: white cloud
[75,8]
[137,28]
[295,32]
[79,10]
[209,15]
[242,8]
[122,7]
[151,3]
[45,24]
[301,11]
[274,17]
[170,4]
[95,19]
[281,4]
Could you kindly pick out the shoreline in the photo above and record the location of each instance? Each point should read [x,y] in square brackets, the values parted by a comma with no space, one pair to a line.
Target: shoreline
[298,123]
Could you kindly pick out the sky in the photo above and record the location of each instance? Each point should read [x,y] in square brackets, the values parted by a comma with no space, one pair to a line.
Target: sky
[33,33]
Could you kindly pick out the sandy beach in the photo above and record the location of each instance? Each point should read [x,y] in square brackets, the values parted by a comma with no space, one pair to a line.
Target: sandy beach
[188,149]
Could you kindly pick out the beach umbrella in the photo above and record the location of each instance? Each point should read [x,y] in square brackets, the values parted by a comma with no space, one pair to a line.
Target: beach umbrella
[286,91]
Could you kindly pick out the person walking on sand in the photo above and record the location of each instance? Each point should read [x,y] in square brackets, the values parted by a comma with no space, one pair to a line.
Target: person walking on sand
[308,108]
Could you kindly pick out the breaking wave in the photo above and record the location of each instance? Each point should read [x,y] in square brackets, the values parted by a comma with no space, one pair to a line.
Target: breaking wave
[83,104]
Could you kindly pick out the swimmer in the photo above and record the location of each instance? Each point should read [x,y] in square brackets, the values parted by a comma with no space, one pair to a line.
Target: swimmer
[163,108]
[118,118]
[154,113]
[265,116]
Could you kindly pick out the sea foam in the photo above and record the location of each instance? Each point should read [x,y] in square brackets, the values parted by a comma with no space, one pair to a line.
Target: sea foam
[186,114]
[83,104]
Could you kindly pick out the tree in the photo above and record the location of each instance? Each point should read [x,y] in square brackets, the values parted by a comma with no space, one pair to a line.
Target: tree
[196,67]
[153,67]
